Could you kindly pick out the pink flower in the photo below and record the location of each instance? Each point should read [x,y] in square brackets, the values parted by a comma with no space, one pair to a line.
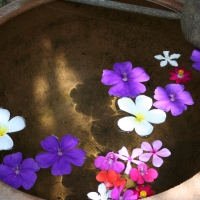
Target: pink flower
[143,174]
[155,152]
[180,75]
[109,162]
[123,154]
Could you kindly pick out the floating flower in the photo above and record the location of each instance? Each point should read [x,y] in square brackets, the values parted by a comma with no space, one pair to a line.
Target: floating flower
[196,58]
[143,115]
[109,162]
[125,80]
[143,191]
[16,172]
[128,194]
[143,174]
[110,178]
[166,58]
[180,75]
[104,194]
[15,124]
[155,152]
[123,154]
[61,154]
[173,98]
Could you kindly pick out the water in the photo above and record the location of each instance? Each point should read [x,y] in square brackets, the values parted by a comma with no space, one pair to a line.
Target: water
[52,59]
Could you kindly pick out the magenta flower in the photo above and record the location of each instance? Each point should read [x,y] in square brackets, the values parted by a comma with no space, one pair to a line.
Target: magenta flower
[173,98]
[123,154]
[125,80]
[180,75]
[196,58]
[128,194]
[16,172]
[109,162]
[143,174]
[61,154]
[155,152]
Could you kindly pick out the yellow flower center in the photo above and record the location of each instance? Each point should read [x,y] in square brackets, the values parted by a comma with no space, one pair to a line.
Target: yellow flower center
[139,118]
[143,194]
[180,73]
[3,129]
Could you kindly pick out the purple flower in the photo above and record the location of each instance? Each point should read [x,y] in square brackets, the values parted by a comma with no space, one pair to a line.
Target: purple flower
[60,154]
[172,98]
[196,58]
[123,154]
[125,80]
[109,162]
[16,172]
[155,152]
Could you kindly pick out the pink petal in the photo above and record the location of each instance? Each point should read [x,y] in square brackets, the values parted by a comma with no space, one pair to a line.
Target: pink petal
[146,146]
[136,176]
[128,168]
[157,161]
[157,144]
[153,173]
[164,152]
[136,152]
[145,157]
[123,151]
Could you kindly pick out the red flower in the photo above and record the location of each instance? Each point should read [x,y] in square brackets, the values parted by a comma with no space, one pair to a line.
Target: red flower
[180,75]
[143,191]
[110,178]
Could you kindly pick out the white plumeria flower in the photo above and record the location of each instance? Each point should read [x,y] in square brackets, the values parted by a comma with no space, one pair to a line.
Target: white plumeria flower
[104,194]
[15,124]
[142,115]
[166,58]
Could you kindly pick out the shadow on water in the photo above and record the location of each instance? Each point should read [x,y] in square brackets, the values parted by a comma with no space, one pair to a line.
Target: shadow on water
[51,61]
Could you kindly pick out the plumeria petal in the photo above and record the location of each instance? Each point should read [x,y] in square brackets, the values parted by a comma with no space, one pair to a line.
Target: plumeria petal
[143,103]
[126,123]
[143,128]
[4,115]
[6,142]
[157,161]
[145,157]
[157,144]
[156,116]
[127,105]
[164,152]
[16,124]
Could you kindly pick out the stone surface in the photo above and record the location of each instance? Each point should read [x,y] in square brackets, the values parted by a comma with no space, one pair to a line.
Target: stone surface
[190,20]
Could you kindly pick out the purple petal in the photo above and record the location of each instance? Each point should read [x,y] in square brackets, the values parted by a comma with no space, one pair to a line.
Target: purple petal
[110,78]
[45,160]
[61,167]
[136,152]
[68,142]
[157,161]
[177,108]
[129,195]
[13,159]
[195,55]
[121,68]
[28,179]
[163,153]
[116,191]
[135,88]
[196,66]
[30,164]
[75,156]
[163,105]
[161,94]
[5,171]
[118,166]
[185,98]
[120,89]
[98,162]
[174,88]
[157,144]
[50,144]
[13,180]
[138,74]
[146,146]
[145,157]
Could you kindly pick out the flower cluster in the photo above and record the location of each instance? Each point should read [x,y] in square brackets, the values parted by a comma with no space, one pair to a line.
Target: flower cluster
[113,185]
